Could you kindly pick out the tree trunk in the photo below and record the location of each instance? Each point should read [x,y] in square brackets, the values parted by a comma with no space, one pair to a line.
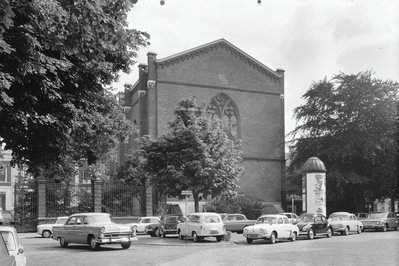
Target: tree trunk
[196,202]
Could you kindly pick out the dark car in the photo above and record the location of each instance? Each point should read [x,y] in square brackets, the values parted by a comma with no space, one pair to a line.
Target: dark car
[169,224]
[312,225]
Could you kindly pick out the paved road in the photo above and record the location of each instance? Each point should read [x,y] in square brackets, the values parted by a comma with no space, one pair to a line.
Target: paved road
[370,248]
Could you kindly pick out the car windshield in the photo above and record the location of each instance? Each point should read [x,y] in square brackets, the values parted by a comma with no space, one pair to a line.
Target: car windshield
[172,219]
[97,219]
[306,218]
[378,215]
[267,220]
[338,217]
[9,239]
[212,219]
[61,221]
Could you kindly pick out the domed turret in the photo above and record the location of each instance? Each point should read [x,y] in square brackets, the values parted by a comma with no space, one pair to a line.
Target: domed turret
[313,165]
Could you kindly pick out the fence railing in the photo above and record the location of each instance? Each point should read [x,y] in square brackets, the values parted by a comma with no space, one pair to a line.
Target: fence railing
[25,206]
[64,200]
[118,200]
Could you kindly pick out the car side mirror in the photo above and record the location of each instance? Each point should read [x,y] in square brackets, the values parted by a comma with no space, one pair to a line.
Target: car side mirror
[20,251]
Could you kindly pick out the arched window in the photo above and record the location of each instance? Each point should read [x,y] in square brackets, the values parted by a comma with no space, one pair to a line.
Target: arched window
[223,108]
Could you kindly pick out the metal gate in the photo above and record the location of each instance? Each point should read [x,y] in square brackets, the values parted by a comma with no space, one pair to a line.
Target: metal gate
[25,205]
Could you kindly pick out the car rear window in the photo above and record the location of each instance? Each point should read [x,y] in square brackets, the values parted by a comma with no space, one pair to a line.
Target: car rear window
[212,219]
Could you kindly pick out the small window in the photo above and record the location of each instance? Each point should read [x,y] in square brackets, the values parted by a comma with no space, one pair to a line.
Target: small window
[71,221]
[280,220]
[3,173]
[286,221]
[240,218]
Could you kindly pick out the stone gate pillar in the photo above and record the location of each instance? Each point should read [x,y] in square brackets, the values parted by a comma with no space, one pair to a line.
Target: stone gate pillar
[314,186]
[97,194]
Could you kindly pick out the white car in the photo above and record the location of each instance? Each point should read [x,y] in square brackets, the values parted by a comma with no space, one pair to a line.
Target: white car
[46,230]
[271,227]
[199,225]
[345,222]
[143,222]
[292,217]
[13,244]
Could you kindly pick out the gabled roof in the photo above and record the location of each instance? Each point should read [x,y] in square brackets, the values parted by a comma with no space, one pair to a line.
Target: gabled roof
[182,56]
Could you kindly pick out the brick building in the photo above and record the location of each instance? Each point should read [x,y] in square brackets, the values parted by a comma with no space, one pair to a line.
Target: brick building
[247,95]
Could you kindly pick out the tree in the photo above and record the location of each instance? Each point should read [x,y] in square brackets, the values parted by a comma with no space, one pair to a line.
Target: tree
[350,123]
[56,60]
[195,155]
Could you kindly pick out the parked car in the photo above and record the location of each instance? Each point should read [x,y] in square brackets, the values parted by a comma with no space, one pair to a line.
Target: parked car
[169,224]
[362,215]
[46,230]
[200,225]
[271,227]
[345,222]
[94,229]
[13,244]
[5,258]
[8,218]
[311,225]
[292,217]
[381,221]
[237,222]
[147,225]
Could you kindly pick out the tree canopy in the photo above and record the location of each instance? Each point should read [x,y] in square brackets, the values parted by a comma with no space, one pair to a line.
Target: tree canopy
[56,60]
[194,155]
[350,122]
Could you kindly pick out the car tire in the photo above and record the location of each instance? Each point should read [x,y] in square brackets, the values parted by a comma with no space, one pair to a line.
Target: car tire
[346,231]
[180,235]
[162,233]
[46,234]
[329,232]
[395,228]
[156,232]
[219,238]
[293,237]
[384,228]
[126,245]
[359,230]
[93,244]
[63,243]
[272,238]
[249,240]
[195,237]
[310,234]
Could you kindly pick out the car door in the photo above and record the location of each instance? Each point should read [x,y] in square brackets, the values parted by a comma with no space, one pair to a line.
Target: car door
[79,231]
[390,219]
[287,227]
[282,229]
[67,230]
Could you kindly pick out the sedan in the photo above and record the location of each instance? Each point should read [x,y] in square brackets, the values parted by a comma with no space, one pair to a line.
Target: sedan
[13,244]
[93,229]
[271,227]
[46,230]
[381,221]
[345,222]
[311,224]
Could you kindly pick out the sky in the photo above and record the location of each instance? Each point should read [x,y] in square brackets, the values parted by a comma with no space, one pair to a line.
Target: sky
[309,39]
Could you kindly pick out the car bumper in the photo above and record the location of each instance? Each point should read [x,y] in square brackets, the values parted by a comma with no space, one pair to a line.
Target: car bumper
[116,240]
[257,236]
[379,226]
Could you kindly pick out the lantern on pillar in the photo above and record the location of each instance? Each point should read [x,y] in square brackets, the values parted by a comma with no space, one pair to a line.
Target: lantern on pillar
[314,186]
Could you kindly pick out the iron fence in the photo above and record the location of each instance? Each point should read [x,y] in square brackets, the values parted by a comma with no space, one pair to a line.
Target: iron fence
[25,206]
[117,199]
[64,199]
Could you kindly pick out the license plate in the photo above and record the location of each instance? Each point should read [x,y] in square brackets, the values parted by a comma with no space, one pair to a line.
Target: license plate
[252,236]
[214,232]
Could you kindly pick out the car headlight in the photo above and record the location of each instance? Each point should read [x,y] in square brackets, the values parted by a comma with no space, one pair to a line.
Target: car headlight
[378,222]
[262,231]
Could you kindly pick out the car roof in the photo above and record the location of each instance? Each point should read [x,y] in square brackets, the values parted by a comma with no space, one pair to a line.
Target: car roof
[204,213]
[337,213]
[7,228]
[273,215]
[90,214]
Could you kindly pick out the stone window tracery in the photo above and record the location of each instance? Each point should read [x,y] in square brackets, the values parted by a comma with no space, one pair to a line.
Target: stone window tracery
[223,108]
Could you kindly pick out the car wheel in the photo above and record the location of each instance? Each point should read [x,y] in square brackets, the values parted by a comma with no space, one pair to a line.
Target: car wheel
[395,228]
[156,232]
[195,237]
[126,245]
[329,232]
[310,234]
[46,234]
[293,237]
[63,243]
[93,244]
[346,231]
[249,240]
[359,229]
[162,233]
[181,235]
[219,238]
[272,238]
[384,228]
